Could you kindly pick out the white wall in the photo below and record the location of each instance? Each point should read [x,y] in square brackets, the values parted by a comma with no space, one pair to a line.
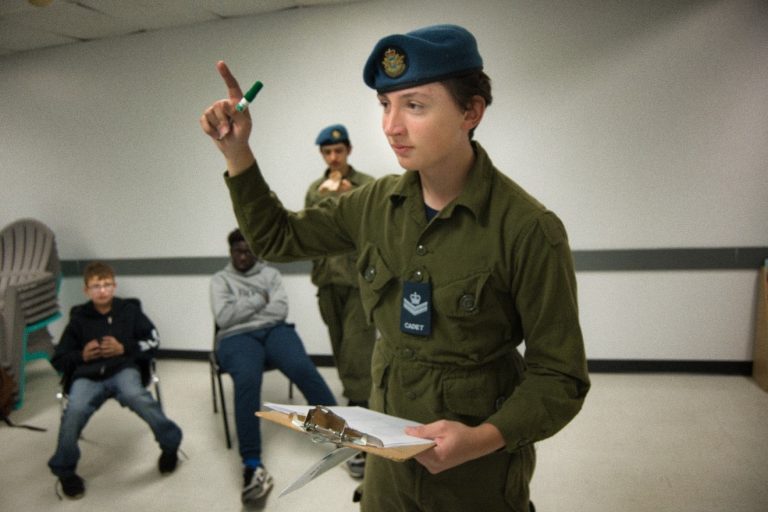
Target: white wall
[642,124]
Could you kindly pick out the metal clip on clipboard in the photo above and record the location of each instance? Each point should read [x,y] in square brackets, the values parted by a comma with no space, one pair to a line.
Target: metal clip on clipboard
[325,426]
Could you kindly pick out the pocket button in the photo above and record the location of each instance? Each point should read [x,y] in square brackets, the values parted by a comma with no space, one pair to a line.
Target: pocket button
[467,302]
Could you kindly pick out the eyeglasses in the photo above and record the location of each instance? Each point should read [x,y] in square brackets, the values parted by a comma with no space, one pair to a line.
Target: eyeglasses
[99,287]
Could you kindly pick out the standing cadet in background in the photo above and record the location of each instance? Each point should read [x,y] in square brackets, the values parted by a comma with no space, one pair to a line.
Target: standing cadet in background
[457,266]
[338,294]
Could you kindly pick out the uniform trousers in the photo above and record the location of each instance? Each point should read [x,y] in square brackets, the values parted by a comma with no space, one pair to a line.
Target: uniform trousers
[497,482]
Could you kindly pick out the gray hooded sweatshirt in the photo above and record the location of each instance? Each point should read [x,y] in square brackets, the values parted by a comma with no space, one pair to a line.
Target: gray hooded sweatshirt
[243,302]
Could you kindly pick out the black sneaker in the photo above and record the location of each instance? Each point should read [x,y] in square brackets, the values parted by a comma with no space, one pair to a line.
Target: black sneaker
[73,486]
[357,496]
[256,484]
[167,461]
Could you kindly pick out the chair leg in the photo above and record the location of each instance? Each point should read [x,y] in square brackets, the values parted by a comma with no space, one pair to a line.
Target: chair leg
[224,412]
[290,389]
[63,399]
[157,394]
[213,388]
[156,382]
[22,376]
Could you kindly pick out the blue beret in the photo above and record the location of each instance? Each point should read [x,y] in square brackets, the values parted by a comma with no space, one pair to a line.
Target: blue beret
[429,54]
[332,135]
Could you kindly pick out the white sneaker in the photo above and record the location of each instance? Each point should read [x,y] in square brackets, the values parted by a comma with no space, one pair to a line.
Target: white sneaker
[256,484]
[356,465]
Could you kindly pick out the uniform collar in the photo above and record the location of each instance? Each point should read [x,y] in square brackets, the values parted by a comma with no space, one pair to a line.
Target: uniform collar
[474,197]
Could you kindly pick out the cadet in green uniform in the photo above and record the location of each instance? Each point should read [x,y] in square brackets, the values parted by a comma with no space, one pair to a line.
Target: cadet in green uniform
[338,293]
[457,266]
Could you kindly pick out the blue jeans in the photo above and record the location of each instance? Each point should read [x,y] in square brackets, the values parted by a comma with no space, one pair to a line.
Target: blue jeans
[86,396]
[244,356]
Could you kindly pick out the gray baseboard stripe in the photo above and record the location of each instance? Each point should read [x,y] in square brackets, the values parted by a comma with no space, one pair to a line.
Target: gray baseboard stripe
[726,258]
[180,266]
[595,365]
[735,258]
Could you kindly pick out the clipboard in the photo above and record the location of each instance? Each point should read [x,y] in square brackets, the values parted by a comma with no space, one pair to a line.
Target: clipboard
[361,441]
[383,435]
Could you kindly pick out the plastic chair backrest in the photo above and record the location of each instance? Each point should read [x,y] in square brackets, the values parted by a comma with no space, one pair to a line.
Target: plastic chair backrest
[27,251]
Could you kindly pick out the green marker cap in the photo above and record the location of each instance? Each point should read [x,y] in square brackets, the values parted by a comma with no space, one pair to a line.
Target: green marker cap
[249,96]
[253,91]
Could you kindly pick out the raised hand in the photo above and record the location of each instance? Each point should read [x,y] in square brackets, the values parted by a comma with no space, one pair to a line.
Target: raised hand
[229,128]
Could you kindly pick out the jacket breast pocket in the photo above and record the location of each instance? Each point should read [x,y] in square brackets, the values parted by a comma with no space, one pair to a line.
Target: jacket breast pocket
[374,277]
[471,309]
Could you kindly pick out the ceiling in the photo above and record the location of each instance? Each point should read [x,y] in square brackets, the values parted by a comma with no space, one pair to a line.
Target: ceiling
[33,24]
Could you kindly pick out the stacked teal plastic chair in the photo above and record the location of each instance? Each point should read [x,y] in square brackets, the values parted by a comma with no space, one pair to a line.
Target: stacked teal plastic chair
[30,278]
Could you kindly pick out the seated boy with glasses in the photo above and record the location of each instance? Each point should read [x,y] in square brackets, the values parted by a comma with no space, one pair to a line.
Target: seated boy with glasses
[98,356]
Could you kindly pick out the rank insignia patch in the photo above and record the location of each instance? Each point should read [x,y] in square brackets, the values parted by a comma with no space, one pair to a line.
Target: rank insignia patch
[416,311]
[414,306]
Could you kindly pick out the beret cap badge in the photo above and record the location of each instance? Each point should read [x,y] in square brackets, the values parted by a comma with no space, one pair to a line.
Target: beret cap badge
[393,63]
[335,134]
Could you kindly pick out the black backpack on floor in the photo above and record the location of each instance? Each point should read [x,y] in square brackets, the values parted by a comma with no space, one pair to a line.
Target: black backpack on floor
[9,392]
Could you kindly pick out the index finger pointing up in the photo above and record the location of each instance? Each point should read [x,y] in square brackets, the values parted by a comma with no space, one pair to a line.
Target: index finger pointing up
[233,88]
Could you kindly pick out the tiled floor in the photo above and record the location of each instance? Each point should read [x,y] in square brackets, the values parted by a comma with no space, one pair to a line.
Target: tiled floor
[643,442]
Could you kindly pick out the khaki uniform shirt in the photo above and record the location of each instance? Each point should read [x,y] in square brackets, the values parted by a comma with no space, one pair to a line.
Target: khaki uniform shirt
[501,273]
[335,269]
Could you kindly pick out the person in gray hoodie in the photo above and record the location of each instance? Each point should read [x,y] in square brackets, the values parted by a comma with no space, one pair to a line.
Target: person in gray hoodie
[250,306]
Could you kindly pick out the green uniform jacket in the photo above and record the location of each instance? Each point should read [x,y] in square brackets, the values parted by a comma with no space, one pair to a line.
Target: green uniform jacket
[336,269]
[501,272]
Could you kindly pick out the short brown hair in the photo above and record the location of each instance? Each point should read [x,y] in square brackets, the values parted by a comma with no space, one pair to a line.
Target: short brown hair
[463,88]
[98,270]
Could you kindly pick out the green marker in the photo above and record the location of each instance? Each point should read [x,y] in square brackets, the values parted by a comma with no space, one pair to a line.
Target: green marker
[248,98]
